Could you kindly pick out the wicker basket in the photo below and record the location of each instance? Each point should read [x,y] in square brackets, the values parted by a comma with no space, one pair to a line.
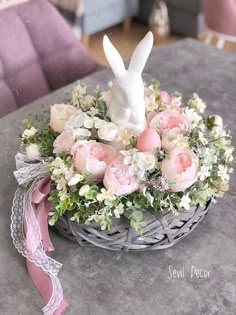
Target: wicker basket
[161,230]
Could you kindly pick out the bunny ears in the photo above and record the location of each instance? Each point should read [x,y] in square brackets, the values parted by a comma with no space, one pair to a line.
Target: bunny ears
[138,59]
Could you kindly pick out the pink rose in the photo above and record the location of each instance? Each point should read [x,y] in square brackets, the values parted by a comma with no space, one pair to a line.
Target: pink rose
[59,115]
[181,167]
[63,142]
[168,120]
[118,180]
[93,157]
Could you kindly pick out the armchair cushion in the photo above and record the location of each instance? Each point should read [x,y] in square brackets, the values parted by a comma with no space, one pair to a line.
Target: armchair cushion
[38,53]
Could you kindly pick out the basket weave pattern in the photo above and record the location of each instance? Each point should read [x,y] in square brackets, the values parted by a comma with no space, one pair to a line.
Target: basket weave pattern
[160,230]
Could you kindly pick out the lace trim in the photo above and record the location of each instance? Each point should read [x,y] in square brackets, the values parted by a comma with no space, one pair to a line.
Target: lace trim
[32,248]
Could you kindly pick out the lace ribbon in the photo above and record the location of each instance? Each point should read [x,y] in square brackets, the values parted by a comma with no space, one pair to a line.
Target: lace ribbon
[27,238]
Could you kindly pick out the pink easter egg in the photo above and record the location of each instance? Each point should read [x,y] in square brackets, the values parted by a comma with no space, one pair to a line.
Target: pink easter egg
[148,140]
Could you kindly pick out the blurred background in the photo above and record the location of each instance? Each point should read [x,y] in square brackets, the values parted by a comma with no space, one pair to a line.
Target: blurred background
[127,21]
[47,44]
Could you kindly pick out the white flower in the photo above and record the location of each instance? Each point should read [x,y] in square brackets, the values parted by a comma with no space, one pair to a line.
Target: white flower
[193,117]
[150,103]
[204,172]
[140,162]
[75,125]
[88,123]
[108,132]
[223,173]
[119,210]
[75,179]
[84,190]
[124,136]
[197,103]
[228,154]
[105,195]
[32,151]
[29,132]
[99,123]
[61,184]
[185,202]
[202,139]
[80,90]
[181,140]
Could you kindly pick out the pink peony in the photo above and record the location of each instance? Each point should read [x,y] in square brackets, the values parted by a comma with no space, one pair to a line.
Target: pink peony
[175,101]
[181,167]
[93,157]
[168,120]
[63,142]
[59,115]
[118,180]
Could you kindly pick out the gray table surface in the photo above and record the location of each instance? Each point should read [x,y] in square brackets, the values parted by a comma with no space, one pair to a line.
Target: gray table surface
[100,282]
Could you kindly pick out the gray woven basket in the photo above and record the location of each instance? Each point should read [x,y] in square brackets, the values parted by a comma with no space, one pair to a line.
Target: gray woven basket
[161,230]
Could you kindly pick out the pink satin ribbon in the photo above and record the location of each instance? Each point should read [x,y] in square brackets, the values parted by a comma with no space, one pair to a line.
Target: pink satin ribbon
[42,207]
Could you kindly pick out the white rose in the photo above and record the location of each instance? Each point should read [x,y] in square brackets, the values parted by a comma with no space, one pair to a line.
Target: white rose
[108,132]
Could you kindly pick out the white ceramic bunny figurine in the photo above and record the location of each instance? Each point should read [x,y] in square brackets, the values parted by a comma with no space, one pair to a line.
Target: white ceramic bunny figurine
[127,105]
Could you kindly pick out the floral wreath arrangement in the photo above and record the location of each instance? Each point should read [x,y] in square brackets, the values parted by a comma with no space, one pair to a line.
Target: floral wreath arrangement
[110,155]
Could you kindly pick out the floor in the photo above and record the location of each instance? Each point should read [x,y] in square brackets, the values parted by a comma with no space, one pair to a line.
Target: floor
[126,41]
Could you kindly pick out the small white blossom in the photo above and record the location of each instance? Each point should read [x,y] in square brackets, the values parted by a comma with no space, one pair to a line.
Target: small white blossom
[181,140]
[204,172]
[84,190]
[105,195]
[228,154]
[202,139]
[140,162]
[193,117]
[150,103]
[32,151]
[124,136]
[75,125]
[223,173]
[119,210]
[29,133]
[185,202]
[197,103]
[108,132]
[75,179]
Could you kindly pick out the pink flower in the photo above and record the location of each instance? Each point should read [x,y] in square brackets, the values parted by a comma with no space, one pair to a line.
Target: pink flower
[118,180]
[59,115]
[176,102]
[93,157]
[168,120]
[63,142]
[181,168]
[164,96]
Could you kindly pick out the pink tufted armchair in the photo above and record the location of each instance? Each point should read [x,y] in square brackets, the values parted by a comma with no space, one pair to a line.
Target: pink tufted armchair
[220,18]
[38,53]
